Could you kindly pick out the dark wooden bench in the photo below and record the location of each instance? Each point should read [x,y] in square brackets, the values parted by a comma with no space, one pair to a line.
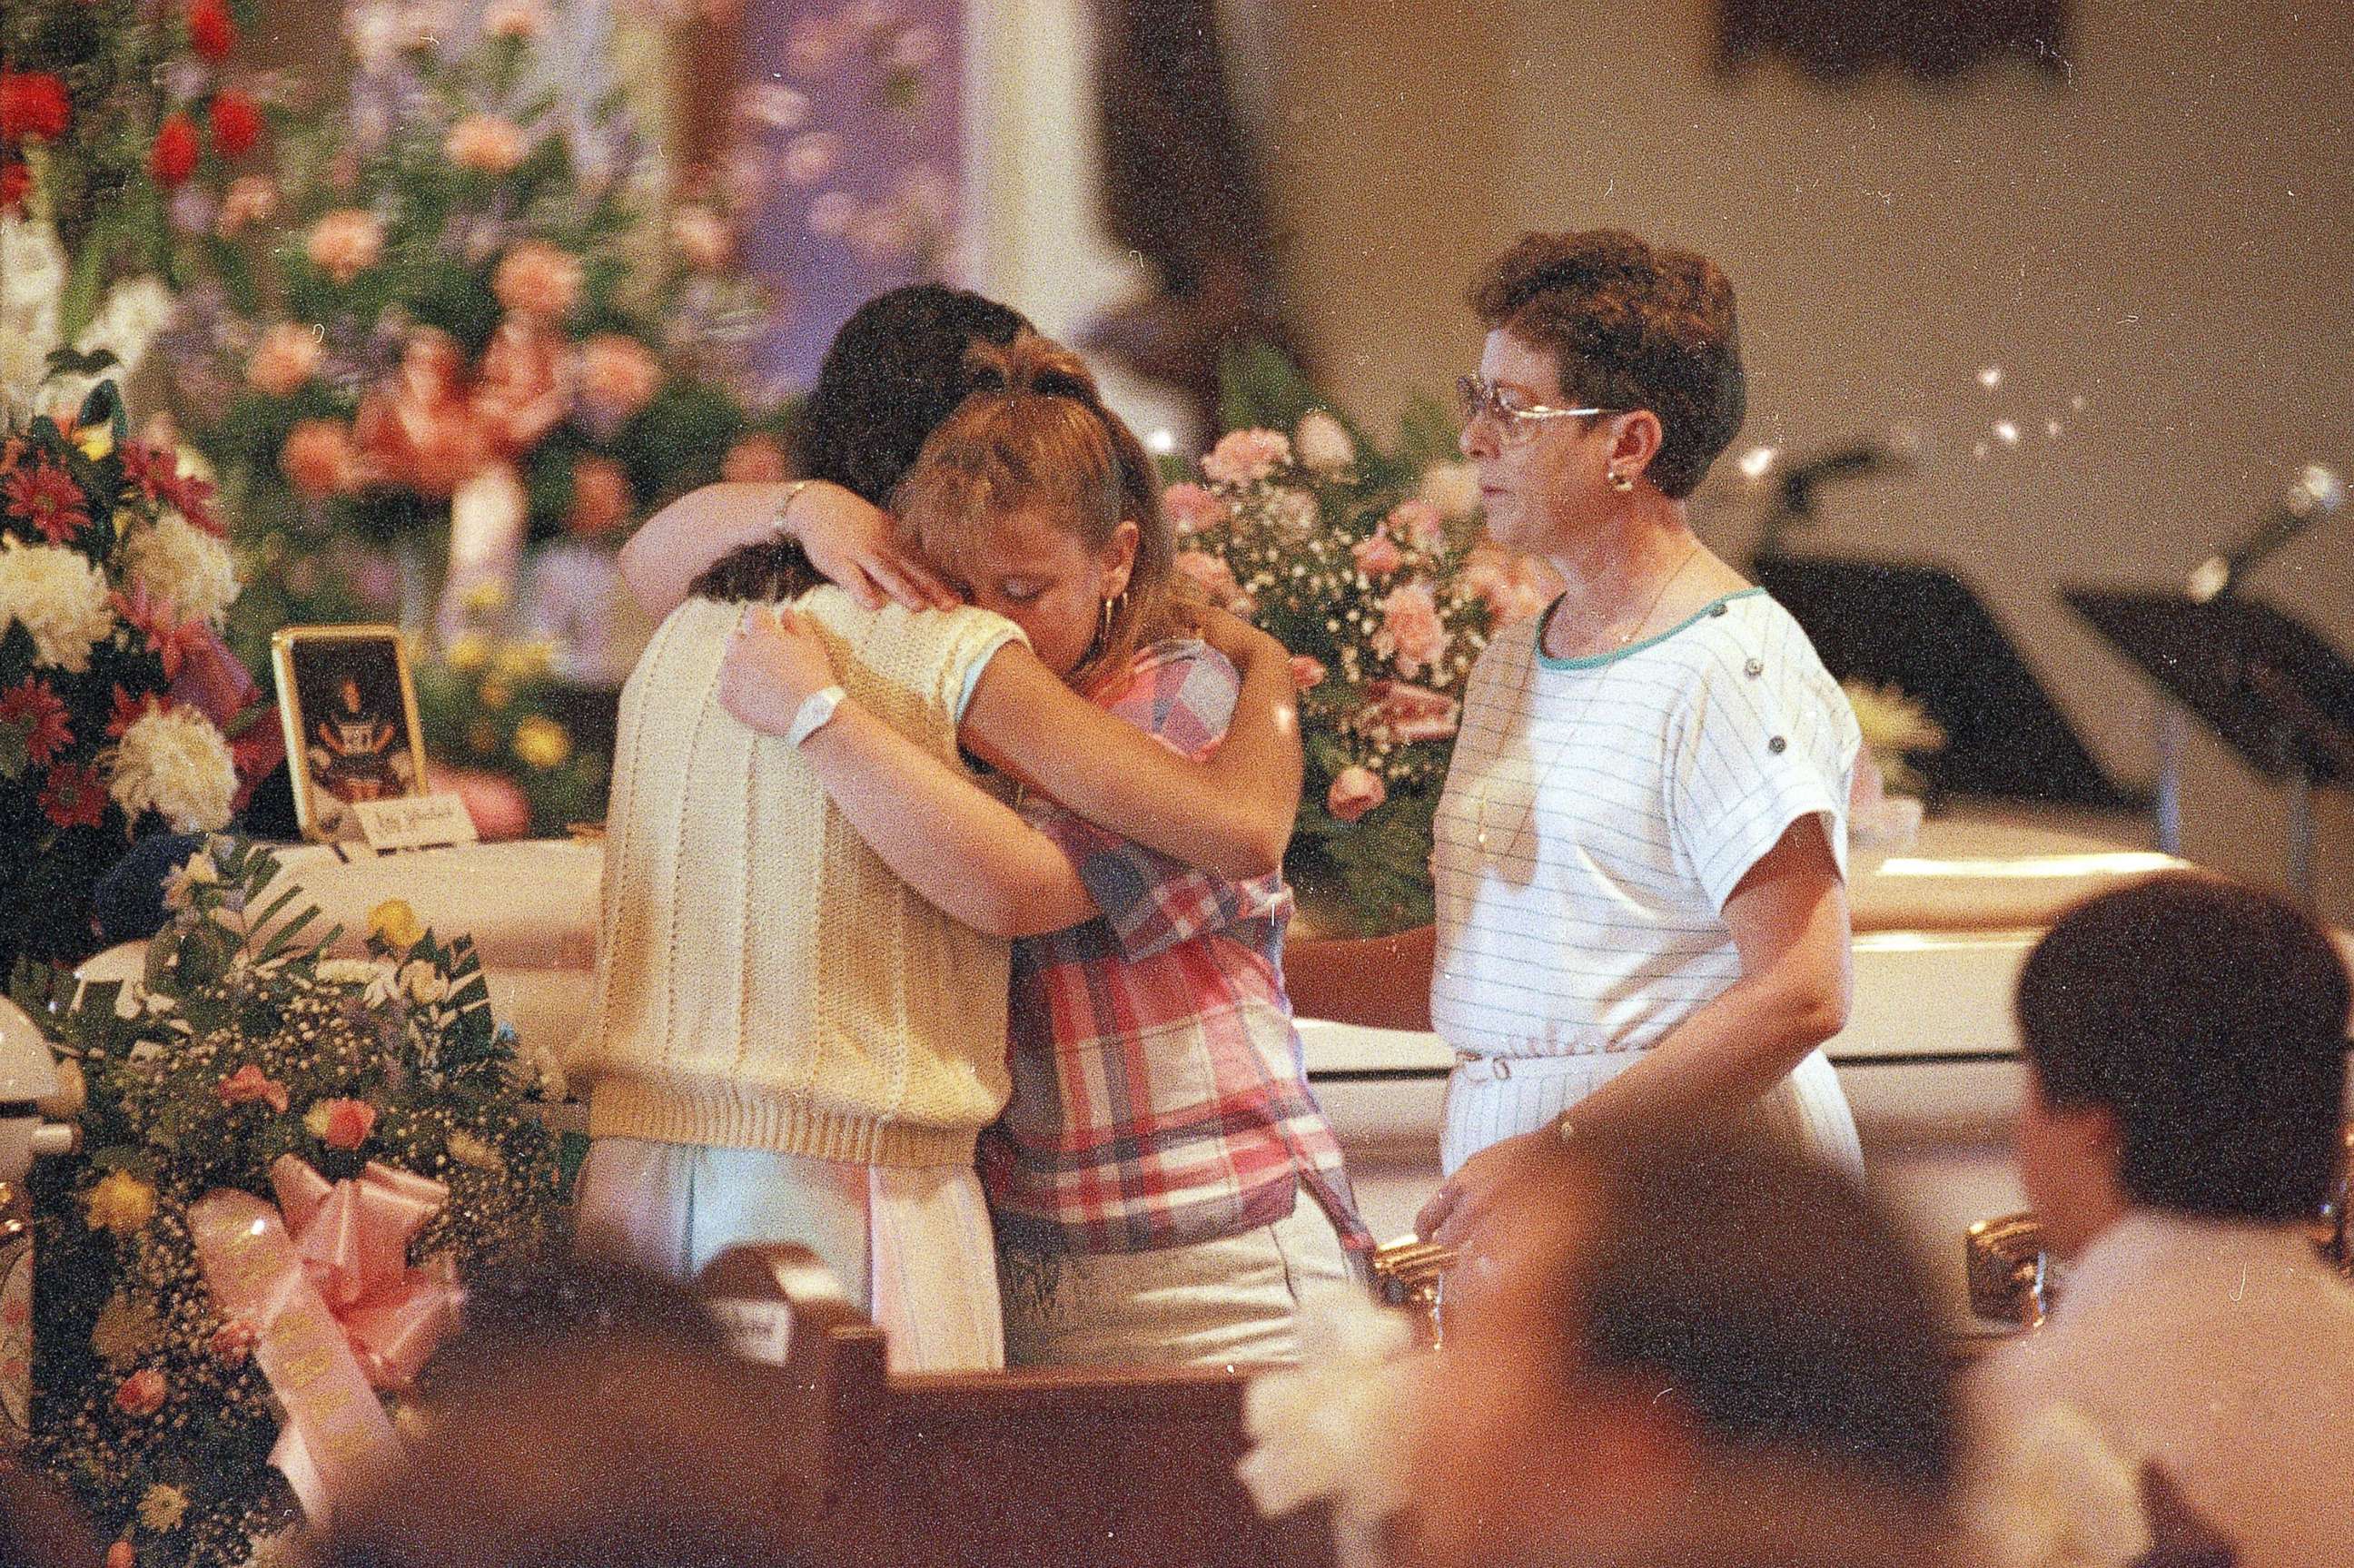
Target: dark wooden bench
[1130,1468]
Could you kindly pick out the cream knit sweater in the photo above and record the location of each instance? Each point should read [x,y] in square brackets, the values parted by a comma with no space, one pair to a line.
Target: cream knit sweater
[763,981]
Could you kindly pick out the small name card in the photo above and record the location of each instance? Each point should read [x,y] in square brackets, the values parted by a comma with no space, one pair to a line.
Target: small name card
[414,822]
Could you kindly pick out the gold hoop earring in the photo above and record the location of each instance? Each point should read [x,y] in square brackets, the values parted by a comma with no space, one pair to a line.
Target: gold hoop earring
[1623,483]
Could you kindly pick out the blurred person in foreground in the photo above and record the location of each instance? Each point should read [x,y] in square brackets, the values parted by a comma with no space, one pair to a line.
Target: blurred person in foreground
[2186,1046]
[1685,1355]
[587,1414]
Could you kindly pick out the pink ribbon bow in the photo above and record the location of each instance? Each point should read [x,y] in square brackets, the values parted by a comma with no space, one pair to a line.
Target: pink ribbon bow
[353,1237]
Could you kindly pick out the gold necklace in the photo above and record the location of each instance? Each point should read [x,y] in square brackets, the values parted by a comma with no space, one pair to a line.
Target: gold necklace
[1593,692]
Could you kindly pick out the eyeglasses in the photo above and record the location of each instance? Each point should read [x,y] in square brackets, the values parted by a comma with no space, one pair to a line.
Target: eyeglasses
[1515,418]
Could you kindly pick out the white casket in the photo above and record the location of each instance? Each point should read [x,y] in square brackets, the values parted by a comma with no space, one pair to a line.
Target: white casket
[1929,1058]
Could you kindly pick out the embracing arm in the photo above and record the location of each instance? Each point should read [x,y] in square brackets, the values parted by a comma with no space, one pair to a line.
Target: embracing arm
[1231,814]
[941,834]
[1381,982]
[848,540]
[1790,920]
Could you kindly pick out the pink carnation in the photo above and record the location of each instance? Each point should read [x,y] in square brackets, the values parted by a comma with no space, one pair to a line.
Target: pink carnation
[250,199]
[318,458]
[249,1083]
[287,357]
[1211,574]
[345,243]
[1356,790]
[1245,456]
[535,279]
[619,376]
[1190,509]
[755,459]
[1307,673]
[1412,635]
[485,143]
[141,1393]
[1377,556]
[1417,523]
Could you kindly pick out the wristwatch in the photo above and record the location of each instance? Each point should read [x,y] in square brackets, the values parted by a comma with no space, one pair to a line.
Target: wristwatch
[811,715]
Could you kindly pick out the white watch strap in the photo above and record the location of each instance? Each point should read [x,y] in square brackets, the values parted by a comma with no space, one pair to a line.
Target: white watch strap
[811,715]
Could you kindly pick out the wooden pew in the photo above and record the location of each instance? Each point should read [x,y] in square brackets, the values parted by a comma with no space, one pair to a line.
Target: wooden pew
[1117,1468]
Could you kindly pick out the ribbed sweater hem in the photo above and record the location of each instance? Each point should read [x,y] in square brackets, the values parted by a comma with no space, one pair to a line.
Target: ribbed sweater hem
[733,1115]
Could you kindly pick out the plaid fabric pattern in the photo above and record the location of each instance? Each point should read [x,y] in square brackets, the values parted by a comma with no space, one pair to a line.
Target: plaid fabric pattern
[1159,1093]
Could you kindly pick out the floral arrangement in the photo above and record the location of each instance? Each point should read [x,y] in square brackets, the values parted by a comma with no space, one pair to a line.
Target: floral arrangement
[114,583]
[122,122]
[468,329]
[1367,565]
[252,1069]
[492,706]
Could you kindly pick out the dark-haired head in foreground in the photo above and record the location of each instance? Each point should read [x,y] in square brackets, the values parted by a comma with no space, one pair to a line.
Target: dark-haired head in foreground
[2186,1037]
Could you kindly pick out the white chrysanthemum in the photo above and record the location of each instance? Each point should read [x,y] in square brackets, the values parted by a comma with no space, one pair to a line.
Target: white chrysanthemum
[60,597]
[175,762]
[32,283]
[184,566]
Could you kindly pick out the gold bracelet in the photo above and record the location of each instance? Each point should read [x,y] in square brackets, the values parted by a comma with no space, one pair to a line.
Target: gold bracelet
[780,521]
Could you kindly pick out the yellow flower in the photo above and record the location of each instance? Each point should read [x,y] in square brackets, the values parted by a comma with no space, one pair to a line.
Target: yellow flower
[485,599]
[162,1507]
[469,652]
[525,660]
[542,742]
[497,694]
[121,1203]
[396,923]
[126,1329]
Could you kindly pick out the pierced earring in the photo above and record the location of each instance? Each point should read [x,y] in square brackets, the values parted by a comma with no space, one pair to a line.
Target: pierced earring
[1621,482]
[1108,611]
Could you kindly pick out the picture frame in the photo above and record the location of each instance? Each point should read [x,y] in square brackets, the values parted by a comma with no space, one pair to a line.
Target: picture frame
[348,704]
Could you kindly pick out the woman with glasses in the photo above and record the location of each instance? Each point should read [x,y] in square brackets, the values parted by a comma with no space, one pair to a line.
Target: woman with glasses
[1642,920]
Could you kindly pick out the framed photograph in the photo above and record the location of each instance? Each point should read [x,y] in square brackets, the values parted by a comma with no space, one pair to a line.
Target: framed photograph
[350,711]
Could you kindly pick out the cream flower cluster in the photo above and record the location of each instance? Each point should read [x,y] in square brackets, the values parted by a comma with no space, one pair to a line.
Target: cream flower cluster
[184,566]
[59,597]
[173,761]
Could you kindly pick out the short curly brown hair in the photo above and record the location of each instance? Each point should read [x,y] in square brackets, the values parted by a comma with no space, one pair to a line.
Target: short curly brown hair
[1630,327]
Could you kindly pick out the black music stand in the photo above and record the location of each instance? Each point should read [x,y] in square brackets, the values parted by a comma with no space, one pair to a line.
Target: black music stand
[2270,685]
[1923,629]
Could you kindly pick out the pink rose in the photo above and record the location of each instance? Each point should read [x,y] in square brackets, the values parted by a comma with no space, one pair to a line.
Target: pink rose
[340,1123]
[1356,790]
[1417,523]
[1190,509]
[345,243]
[484,143]
[701,237]
[287,357]
[619,376]
[249,1083]
[1307,673]
[602,498]
[1245,456]
[141,1393]
[232,1343]
[755,459]
[535,279]
[318,458]
[1211,574]
[1412,635]
[1377,556]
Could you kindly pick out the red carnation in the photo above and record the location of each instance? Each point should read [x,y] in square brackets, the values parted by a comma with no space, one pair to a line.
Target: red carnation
[75,796]
[32,705]
[16,184]
[32,103]
[46,496]
[237,123]
[174,157]
[210,32]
